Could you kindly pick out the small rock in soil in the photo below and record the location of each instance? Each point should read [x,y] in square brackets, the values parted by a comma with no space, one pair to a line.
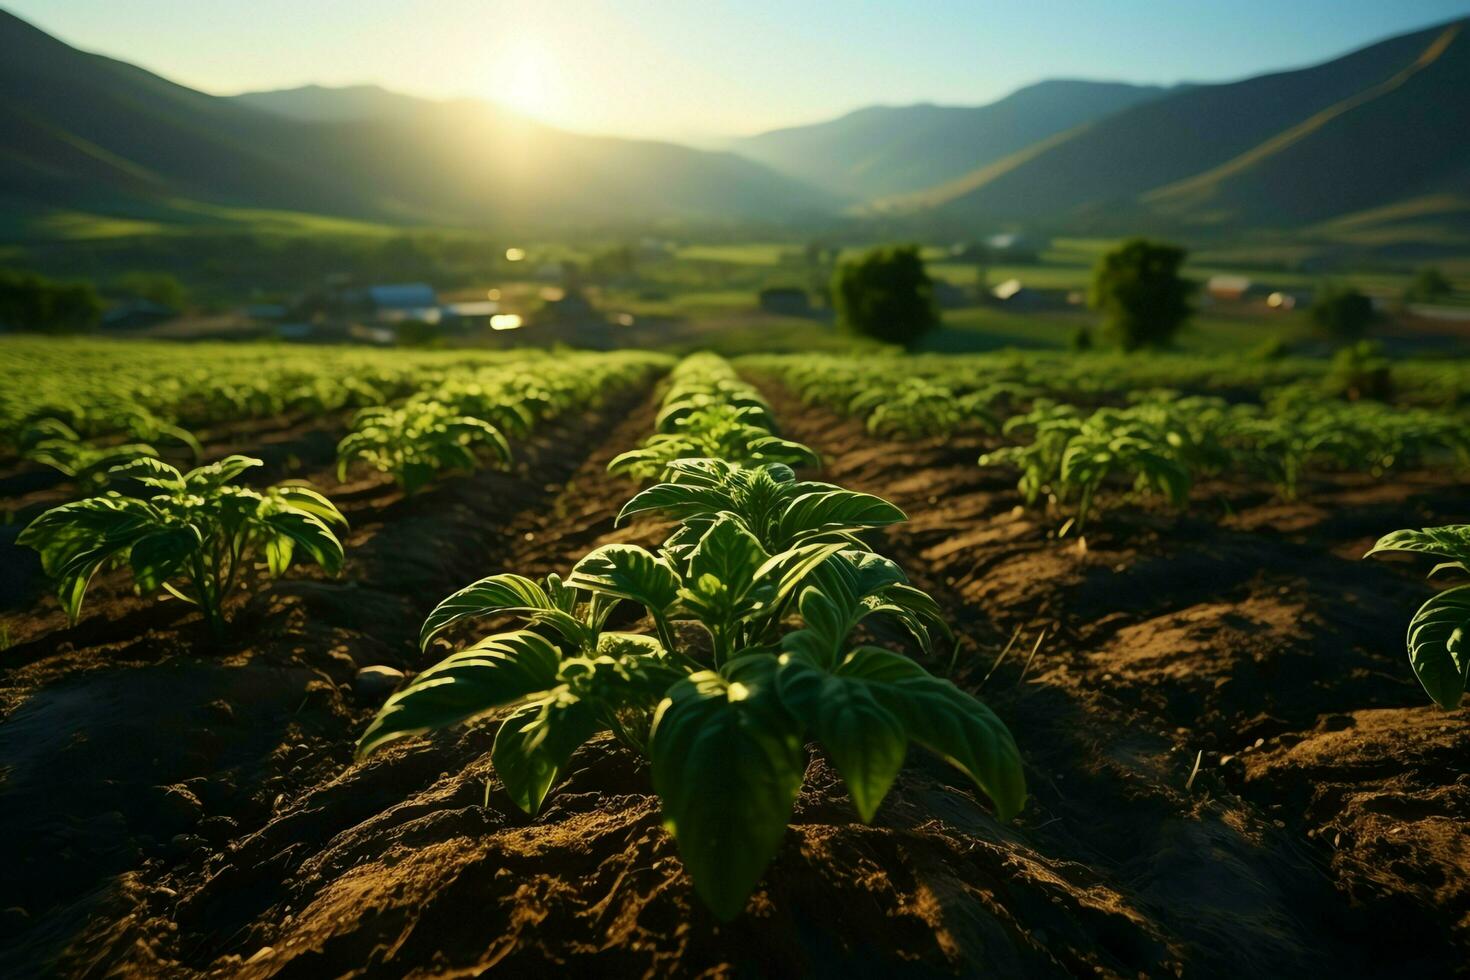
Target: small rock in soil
[377,682]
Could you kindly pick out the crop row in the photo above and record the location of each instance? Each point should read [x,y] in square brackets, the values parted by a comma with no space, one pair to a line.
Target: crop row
[1157,441]
[87,406]
[744,641]
[1100,377]
[194,535]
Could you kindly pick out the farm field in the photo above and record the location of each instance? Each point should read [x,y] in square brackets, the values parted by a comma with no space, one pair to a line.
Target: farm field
[1222,763]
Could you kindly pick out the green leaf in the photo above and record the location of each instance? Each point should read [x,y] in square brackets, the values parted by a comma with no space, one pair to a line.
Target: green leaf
[308,500]
[149,472]
[791,568]
[867,741]
[727,765]
[627,571]
[773,449]
[74,540]
[1451,542]
[629,645]
[836,510]
[1439,646]
[535,743]
[497,671]
[947,721]
[496,594]
[701,472]
[158,557]
[218,473]
[310,533]
[676,500]
[729,552]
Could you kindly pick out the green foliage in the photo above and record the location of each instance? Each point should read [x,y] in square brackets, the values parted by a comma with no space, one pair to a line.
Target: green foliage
[418,441]
[32,302]
[154,287]
[416,333]
[1138,289]
[1428,285]
[1342,313]
[709,412]
[722,694]
[1071,455]
[85,464]
[1359,371]
[1161,442]
[887,295]
[1438,632]
[190,534]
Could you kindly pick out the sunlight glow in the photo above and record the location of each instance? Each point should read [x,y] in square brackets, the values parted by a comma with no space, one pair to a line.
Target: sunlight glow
[522,79]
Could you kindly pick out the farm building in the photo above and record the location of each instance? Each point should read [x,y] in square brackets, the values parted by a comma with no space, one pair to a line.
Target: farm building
[404,301]
[1233,288]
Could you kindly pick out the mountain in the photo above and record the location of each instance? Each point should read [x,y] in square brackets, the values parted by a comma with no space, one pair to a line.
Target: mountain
[81,132]
[323,103]
[885,150]
[1385,124]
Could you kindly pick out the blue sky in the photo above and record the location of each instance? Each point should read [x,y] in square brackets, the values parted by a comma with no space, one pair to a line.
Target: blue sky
[704,68]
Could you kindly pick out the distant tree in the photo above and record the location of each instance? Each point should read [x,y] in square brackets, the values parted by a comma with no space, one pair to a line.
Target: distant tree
[886,294]
[1429,284]
[154,287]
[1140,293]
[32,302]
[1342,313]
[1081,339]
[618,262]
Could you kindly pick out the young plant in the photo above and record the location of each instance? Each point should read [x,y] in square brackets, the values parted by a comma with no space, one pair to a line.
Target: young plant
[1070,455]
[85,464]
[416,442]
[191,536]
[708,412]
[715,431]
[724,694]
[1439,633]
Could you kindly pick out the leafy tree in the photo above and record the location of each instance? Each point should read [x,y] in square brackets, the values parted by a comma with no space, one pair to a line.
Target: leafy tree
[32,302]
[1429,284]
[155,287]
[886,294]
[1138,289]
[1342,312]
[618,262]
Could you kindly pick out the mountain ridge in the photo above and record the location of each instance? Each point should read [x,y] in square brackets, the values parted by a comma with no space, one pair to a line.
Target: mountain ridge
[1284,149]
[83,131]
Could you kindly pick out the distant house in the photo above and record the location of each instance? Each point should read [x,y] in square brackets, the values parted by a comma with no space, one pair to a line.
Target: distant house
[1228,288]
[267,311]
[404,301]
[1012,247]
[1009,290]
[136,314]
[785,301]
[1013,294]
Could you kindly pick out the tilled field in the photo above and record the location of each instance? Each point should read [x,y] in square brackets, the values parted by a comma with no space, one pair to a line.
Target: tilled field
[1232,771]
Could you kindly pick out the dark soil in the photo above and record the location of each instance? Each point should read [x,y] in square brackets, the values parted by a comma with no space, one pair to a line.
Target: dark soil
[170,807]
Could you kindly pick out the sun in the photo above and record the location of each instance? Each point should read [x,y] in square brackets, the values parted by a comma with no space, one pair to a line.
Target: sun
[522,79]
